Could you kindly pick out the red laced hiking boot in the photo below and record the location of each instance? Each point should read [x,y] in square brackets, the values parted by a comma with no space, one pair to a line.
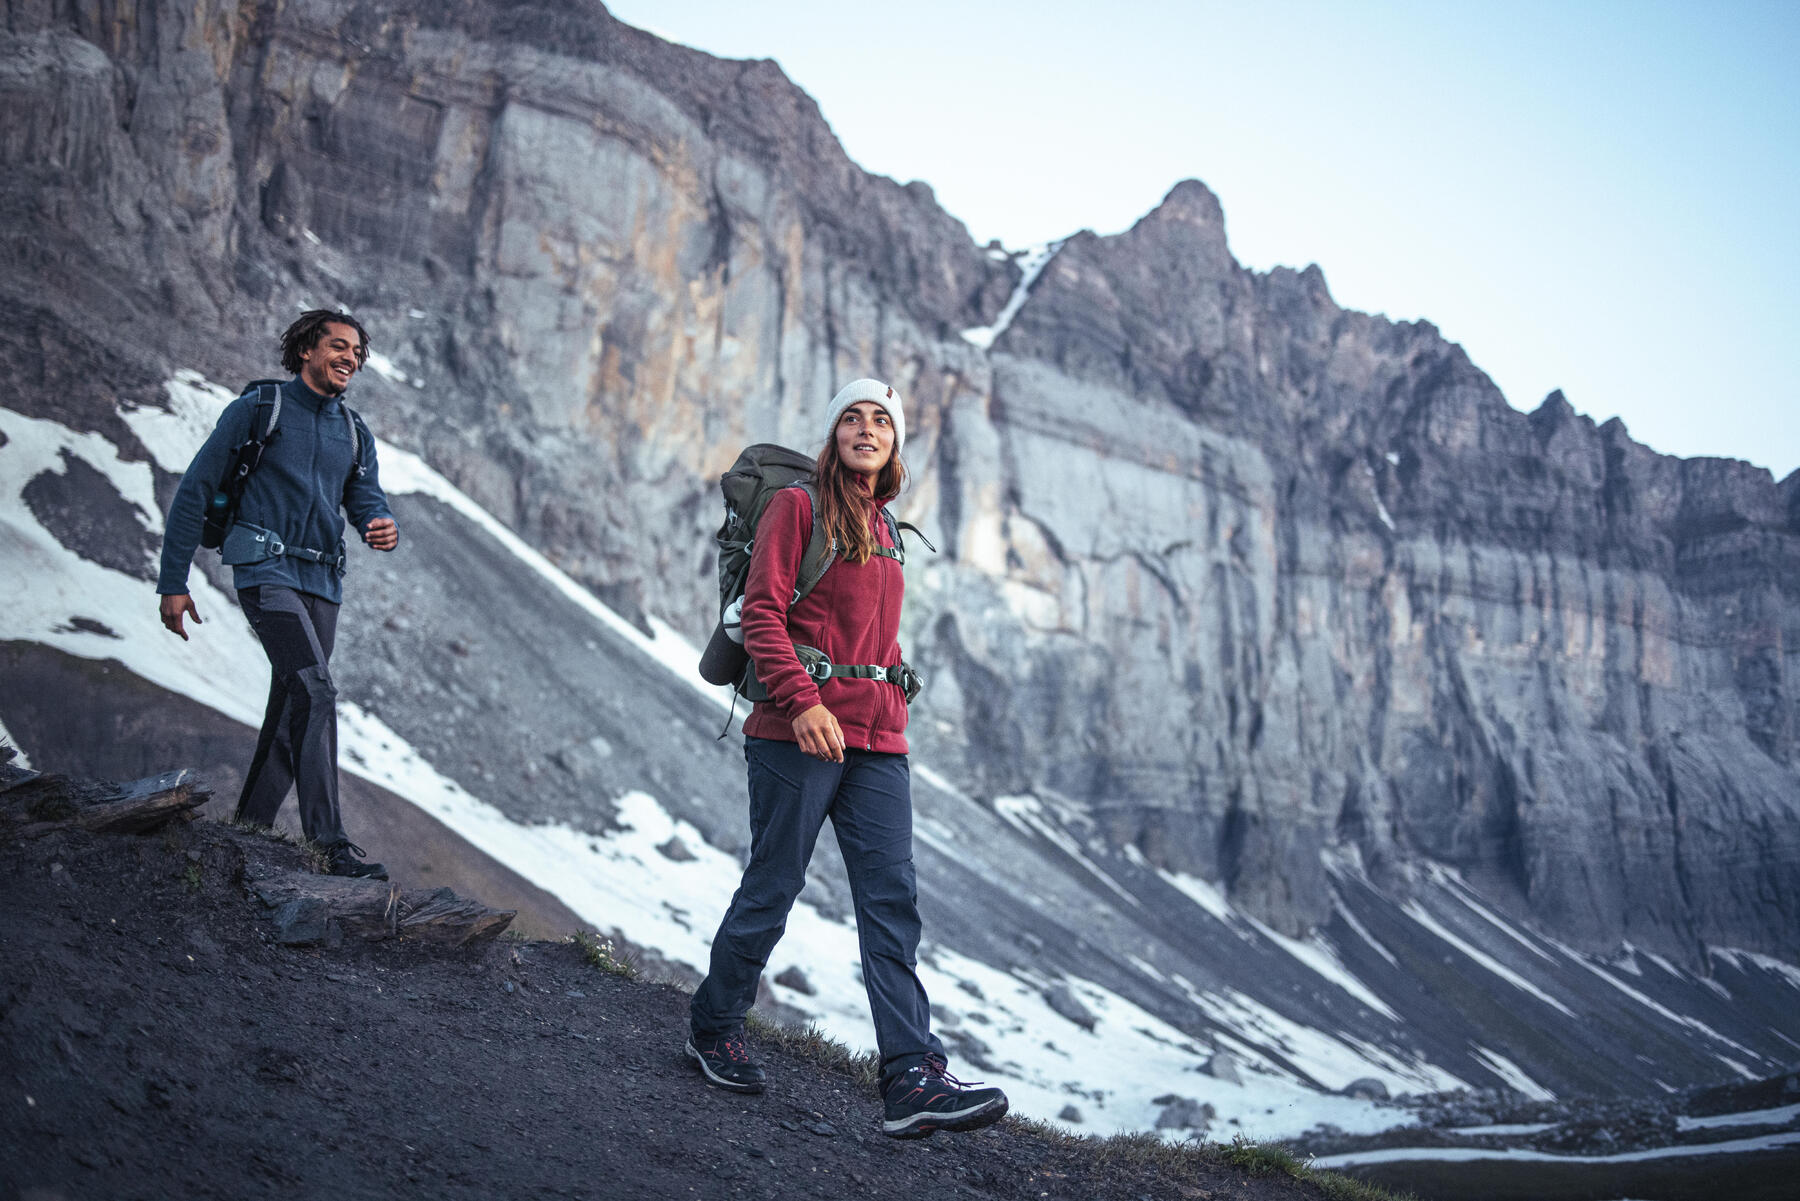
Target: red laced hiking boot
[927,1099]
[726,1063]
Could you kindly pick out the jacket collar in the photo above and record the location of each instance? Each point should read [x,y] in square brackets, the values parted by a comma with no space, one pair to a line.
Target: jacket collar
[297,390]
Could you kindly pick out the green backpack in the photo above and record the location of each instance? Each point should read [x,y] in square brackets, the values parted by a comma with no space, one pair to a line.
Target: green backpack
[758,474]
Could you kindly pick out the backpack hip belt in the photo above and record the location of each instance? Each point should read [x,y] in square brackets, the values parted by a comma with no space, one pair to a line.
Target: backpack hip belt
[902,675]
[247,544]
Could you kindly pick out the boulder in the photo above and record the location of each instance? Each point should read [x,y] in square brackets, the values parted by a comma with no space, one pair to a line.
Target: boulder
[1063,1000]
[1368,1088]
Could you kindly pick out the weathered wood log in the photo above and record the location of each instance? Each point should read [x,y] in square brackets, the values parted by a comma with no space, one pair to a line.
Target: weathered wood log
[306,905]
[50,803]
[440,916]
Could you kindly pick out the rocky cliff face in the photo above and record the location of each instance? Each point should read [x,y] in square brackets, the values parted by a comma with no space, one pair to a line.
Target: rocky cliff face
[1242,576]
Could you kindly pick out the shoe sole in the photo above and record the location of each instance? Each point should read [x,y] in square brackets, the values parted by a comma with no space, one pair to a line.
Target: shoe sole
[716,1080]
[924,1125]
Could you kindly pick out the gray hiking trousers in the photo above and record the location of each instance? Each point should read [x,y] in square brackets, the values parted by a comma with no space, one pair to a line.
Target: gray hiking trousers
[297,745]
[868,798]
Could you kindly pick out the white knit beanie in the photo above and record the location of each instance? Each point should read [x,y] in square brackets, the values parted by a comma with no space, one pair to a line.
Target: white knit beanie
[869,389]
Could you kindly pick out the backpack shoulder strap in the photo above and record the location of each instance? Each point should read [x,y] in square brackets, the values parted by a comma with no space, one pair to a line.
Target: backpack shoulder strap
[354,420]
[898,552]
[820,548]
[268,396]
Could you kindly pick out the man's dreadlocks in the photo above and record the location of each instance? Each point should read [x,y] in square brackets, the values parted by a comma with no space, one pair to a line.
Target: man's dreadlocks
[305,333]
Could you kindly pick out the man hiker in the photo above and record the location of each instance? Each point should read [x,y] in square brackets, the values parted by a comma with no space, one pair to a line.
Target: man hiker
[285,546]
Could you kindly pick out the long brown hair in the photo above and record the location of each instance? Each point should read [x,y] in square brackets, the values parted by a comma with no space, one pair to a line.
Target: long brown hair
[844,505]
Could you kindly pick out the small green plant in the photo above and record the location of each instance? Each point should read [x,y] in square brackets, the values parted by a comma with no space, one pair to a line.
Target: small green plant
[601,953]
[1260,1159]
[191,877]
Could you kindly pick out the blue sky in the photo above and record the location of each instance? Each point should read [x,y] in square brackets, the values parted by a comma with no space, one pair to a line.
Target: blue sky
[1601,197]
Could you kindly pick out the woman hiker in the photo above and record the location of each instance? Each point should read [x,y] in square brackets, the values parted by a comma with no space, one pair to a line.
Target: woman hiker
[834,749]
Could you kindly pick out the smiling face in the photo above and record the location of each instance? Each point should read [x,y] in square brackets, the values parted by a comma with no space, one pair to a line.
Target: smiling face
[326,368]
[865,439]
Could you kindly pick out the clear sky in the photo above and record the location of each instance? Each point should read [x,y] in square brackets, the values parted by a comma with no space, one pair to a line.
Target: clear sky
[1600,196]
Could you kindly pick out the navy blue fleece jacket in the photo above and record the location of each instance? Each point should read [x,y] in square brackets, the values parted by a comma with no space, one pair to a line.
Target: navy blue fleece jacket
[304,479]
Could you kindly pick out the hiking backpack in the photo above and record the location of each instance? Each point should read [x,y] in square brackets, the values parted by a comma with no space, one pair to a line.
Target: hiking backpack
[759,473]
[222,505]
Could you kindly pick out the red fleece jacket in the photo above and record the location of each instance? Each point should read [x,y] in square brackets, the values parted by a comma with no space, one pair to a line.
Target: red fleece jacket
[852,614]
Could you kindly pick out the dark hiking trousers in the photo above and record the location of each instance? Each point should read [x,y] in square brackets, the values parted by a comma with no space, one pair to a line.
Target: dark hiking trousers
[298,743]
[868,798]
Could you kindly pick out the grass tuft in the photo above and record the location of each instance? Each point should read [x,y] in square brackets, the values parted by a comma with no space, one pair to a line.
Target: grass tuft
[316,858]
[816,1047]
[600,953]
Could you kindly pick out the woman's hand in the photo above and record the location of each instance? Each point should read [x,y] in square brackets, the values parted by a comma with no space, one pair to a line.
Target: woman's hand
[817,732]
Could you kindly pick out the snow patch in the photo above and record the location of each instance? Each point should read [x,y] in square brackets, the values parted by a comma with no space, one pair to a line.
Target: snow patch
[1503,1128]
[1455,884]
[1514,1075]
[1343,911]
[1780,1116]
[21,759]
[1027,815]
[45,582]
[173,436]
[1471,1154]
[1208,896]
[404,472]
[1321,957]
[1264,1039]
[1767,963]
[1030,267]
[1375,491]
[386,368]
[1418,914]
[1663,1010]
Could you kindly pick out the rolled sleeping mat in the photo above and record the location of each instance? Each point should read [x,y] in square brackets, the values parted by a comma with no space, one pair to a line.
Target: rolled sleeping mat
[724,659]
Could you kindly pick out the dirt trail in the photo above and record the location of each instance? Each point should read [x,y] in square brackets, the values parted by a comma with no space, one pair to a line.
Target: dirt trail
[155,1041]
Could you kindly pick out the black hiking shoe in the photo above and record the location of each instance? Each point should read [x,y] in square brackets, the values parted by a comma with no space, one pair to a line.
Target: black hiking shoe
[927,1099]
[347,859]
[726,1063]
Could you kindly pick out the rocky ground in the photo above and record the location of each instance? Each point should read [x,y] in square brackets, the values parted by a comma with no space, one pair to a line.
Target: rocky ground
[158,1038]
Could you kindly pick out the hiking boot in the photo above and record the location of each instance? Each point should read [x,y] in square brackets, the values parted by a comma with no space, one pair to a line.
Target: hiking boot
[347,859]
[927,1099]
[726,1062]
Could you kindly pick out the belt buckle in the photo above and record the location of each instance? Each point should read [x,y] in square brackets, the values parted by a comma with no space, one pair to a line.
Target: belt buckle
[276,546]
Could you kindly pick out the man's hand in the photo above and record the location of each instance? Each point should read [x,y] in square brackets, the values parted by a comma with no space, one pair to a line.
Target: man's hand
[382,533]
[818,734]
[173,607]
